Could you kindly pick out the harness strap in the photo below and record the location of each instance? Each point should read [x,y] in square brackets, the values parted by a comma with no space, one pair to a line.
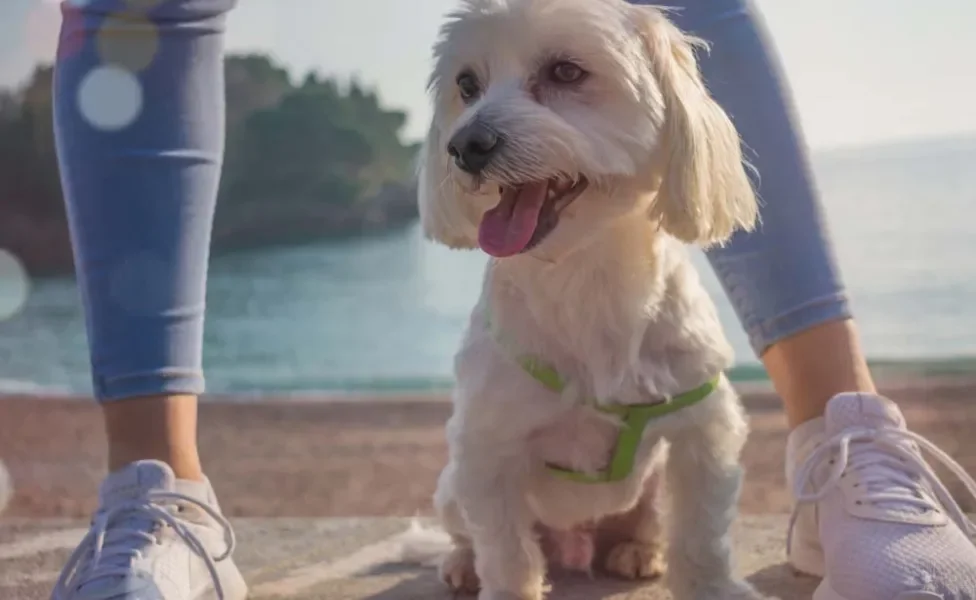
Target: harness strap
[634,417]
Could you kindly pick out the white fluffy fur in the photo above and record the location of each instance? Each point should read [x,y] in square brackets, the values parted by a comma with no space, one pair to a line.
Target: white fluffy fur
[609,298]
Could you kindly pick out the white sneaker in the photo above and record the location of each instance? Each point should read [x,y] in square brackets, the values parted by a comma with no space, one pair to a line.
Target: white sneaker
[871,517]
[154,537]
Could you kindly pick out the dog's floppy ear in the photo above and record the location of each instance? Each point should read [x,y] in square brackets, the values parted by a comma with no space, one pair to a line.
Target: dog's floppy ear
[443,215]
[705,194]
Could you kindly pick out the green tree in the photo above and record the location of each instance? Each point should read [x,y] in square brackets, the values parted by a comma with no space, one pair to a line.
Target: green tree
[303,162]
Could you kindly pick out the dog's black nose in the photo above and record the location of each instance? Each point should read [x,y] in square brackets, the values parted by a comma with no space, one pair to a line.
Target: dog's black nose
[473,147]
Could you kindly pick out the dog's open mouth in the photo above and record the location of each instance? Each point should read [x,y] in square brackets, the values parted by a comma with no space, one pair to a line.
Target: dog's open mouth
[526,214]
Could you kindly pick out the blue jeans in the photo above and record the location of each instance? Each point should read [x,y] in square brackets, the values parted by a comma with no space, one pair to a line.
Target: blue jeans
[141,180]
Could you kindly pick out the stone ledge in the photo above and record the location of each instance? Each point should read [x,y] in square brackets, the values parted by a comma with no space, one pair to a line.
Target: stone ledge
[357,559]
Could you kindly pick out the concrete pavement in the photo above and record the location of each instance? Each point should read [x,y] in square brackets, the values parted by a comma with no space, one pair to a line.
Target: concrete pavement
[360,559]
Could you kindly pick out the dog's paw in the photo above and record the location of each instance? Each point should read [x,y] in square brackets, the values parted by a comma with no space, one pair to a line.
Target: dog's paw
[457,571]
[635,560]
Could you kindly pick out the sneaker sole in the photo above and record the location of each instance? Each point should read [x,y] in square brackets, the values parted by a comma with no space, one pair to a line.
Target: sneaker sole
[809,560]
[825,592]
[231,580]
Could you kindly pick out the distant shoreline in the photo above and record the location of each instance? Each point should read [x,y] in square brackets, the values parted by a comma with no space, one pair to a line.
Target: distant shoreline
[749,378]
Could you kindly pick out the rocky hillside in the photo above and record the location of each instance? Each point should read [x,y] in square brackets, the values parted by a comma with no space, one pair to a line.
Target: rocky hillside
[305,161]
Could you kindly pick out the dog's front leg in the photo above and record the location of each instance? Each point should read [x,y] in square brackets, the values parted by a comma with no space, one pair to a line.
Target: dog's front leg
[492,496]
[632,542]
[703,481]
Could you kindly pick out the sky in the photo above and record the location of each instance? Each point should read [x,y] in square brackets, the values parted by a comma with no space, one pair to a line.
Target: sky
[862,71]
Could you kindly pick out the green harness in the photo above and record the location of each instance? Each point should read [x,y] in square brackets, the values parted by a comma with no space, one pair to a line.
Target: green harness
[634,419]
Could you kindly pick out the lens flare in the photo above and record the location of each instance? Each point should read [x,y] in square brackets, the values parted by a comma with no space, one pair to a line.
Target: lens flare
[6,487]
[127,41]
[110,98]
[14,285]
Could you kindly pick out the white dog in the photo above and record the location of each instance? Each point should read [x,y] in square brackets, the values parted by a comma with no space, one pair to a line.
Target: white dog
[574,141]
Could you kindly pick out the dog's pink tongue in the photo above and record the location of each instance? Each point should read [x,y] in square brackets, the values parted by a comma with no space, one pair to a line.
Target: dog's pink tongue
[507,229]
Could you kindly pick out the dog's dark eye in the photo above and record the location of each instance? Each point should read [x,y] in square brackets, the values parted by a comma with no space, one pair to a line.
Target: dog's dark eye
[468,86]
[566,72]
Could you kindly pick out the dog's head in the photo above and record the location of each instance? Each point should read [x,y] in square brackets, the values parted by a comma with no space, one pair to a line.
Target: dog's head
[554,117]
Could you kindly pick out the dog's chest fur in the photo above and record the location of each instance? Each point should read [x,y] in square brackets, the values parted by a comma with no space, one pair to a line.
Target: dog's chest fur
[625,321]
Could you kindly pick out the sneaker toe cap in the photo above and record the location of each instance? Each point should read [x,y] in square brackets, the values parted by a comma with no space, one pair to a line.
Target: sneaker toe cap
[927,565]
[135,586]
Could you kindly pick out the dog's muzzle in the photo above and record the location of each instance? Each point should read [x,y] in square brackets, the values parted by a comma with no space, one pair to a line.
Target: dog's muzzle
[473,146]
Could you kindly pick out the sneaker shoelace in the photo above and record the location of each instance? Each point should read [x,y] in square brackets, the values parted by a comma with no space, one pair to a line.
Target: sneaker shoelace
[889,469]
[109,539]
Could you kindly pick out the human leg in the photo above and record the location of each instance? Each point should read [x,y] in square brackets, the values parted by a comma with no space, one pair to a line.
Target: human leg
[159,427]
[782,279]
[140,180]
[139,126]
[872,517]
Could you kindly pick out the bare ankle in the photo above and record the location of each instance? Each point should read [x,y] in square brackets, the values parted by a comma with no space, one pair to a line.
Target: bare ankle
[813,366]
[160,428]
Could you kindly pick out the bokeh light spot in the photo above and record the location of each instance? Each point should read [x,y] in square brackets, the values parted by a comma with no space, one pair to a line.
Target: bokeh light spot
[73,35]
[110,98]
[6,486]
[68,4]
[14,285]
[127,41]
[41,31]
